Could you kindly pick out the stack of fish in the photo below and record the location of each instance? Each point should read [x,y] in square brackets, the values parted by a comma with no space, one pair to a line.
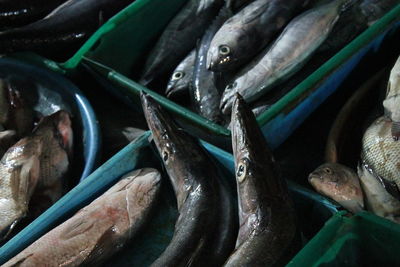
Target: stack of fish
[250,48]
[34,159]
[52,28]
[206,230]
[377,185]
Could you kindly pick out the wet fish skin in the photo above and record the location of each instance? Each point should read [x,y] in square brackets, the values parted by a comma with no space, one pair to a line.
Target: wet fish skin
[7,139]
[197,238]
[391,103]
[244,35]
[17,13]
[64,29]
[181,78]
[339,183]
[37,163]
[205,94]
[101,228]
[235,5]
[300,38]
[377,199]
[179,37]
[266,214]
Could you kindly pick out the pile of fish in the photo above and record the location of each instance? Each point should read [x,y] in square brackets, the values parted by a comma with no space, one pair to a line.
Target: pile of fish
[258,229]
[215,49]
[376,185]
[36,152]
[52,28]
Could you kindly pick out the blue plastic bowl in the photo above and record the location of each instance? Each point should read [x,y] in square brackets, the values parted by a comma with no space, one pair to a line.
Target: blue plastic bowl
[51,92]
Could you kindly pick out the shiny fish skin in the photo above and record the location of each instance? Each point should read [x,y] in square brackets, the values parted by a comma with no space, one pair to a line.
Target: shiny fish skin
[100,229]
[248,32]
[301,37]
[339,183]
[64,29]
[179,37]
[377,199]
[380,152]
[7,139]
[391,103]
[37,163]
[204,92]
[204,231]
[266,214]
[181,78]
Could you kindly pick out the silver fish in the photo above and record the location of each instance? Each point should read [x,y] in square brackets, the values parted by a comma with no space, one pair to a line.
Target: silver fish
[267,218]
[38,162]
[100,229]
[181,78]
[205,229]
[179,37]
[391,103]
[245,34]
[339,183]
[301,37]
[377,199]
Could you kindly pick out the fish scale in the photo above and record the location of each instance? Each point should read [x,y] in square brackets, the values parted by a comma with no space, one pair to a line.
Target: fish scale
[381,152]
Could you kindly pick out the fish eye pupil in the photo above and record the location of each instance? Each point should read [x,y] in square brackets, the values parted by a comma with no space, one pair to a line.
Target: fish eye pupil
[224,50]
[165,156]
[328,171]
[178,75]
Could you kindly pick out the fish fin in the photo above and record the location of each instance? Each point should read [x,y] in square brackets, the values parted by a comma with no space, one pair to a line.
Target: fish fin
[76,228]
[256,13]
[24,178]
[105,245]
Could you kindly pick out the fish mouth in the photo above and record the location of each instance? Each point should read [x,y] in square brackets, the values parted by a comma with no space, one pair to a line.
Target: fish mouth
[5,232]
[227,102]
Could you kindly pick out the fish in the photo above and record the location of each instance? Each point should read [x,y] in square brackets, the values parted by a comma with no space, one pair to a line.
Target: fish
[340,183]
[36,163]
[7,139]
[178,38]
[235,5]
[380,152]
[99,229]
[292,49]
[181,78]
[18,13]
[377,199]
[205,229]
[375,9]
[267,219]
[63,31]
[205,94]
[245,34]
[391,103]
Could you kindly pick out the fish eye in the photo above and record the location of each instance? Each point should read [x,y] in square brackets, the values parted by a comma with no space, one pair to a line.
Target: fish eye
[177,75]
[165,155]
[328,170]
[224,50]
[242,170]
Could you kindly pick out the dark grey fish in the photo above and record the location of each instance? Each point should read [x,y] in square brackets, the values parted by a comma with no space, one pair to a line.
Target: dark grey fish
[266,214]
[181,78]
[293,48]
[204,231]
[64,30]
[244,35]
[204,92]
[179,37]
[235,5]
[14,13]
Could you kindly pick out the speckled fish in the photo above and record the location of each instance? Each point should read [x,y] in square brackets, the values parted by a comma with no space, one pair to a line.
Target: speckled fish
[391,103]
[179,37]
[381,152]
[38,162]
[377,199]
[244,35]
[100,229]
[14,13]
[204,91]
[205,229]
[7,139]
[300,38]
[339,183]
[267,217]
[181,78]
[64,30]
[235,5]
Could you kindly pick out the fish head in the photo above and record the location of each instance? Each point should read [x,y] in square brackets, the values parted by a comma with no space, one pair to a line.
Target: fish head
[177,84]
[339,183]
[221,55]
